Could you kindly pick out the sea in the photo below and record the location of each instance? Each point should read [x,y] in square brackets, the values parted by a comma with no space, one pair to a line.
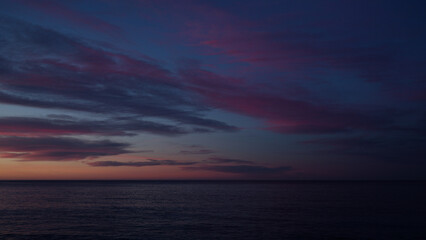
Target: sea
[213,210]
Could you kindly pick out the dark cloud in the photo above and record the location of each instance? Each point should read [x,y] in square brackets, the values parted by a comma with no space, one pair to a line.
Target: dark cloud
[58,148]
[31,126]
[242,169]
[200,151]
[227,160]
[149,162]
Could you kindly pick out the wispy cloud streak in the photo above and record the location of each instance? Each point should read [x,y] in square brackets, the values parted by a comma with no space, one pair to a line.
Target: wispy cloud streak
[58,148]
[242,169]
[31,126]
[227,160]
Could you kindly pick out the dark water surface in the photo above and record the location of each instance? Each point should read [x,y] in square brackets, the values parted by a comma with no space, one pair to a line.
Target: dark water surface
[212,210]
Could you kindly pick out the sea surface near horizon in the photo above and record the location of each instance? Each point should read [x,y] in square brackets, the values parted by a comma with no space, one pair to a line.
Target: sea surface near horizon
[212,210]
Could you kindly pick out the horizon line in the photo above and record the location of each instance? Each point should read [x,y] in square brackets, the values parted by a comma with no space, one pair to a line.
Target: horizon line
[212,180]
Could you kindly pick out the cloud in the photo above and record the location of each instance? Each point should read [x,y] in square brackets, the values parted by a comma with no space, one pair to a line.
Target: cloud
[242,169]
[31,126]
[149,162]
[55,71]
[58,148]
[200,151]
[52,70]
[227,160]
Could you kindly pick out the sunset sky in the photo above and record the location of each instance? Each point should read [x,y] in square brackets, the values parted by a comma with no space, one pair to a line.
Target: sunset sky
[136,89]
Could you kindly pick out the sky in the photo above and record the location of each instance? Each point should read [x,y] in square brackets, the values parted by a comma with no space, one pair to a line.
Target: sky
[274,90]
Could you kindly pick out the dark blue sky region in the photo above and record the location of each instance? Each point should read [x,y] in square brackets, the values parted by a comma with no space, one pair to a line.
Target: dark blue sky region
[212,89]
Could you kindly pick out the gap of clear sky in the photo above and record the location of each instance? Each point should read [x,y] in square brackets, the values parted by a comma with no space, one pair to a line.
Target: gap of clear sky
[136,89]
